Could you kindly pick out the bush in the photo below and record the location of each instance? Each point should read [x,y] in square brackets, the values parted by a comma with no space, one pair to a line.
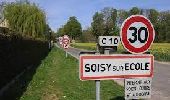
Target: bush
[17,53]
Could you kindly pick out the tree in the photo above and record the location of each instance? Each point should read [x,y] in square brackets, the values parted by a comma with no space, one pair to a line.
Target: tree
[153,16]
[60,31]
[109,16]
[73,28]
[167,27]
[104,23]
[160,33]
[26,19]
[97,25]
[122,14]
[87,35]
[162,28]
[134,11]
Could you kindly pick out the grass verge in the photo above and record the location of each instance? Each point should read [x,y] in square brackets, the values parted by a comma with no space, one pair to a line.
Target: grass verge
[161,51]
[88,46]
[57,78]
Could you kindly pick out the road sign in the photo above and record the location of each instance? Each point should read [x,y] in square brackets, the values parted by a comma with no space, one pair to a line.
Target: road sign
[109,40]
[65,46]
[66,36]
[65,42]
[60,40]
[101,67]
[138,88]
[137,34]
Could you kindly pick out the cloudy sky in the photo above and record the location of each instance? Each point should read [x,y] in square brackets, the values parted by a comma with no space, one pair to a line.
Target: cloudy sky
[58,11]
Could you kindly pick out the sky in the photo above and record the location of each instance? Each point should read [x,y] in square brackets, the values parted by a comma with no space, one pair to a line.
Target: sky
[59,11]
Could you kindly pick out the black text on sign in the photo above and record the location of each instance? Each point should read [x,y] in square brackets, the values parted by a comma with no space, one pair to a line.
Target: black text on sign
[138,88]
[109,40]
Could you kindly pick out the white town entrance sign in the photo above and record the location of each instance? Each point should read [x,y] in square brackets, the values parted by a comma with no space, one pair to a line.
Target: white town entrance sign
[101,67]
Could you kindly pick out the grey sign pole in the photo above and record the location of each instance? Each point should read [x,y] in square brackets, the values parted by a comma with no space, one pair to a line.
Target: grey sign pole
[106,51]
[97,81]
[97,89]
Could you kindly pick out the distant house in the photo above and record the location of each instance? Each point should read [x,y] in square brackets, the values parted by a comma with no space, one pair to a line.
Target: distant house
[4,26]
[4,23]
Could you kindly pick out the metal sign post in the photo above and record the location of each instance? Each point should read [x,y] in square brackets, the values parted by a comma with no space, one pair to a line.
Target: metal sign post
[97,89]
[98,81]
[106,51]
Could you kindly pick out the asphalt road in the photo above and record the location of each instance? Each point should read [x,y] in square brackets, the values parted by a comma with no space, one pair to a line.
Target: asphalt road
[160,82]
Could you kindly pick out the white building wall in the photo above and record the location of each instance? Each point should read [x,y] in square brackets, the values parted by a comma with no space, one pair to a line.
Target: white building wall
[4,23]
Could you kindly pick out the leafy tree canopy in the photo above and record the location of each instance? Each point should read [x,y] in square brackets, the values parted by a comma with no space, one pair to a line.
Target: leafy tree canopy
[26,18]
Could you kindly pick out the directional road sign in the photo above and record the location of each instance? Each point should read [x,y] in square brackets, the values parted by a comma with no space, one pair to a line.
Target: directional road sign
[109,40]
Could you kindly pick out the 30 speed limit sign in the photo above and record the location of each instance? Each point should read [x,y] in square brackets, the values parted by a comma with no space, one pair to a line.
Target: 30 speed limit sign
[137,34]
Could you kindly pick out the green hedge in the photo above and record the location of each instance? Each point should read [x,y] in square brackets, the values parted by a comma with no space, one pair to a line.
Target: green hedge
[17,53]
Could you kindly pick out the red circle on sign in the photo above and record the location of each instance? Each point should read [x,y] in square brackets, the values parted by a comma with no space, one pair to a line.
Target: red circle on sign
[125,27]
[65,41]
